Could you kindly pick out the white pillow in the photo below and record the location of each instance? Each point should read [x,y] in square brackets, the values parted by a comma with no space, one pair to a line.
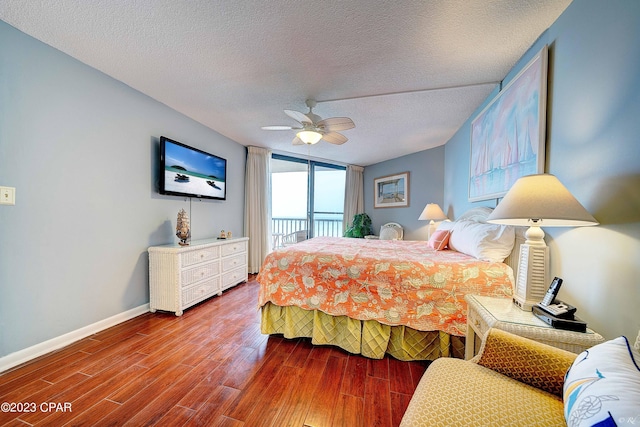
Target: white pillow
[486,242]
[446,225]
[603,386]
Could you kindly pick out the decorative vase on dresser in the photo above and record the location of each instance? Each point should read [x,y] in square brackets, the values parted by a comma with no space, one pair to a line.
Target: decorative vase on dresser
[181,276]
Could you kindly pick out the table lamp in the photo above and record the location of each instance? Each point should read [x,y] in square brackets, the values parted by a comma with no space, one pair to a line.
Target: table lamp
[431,213]
[537,201]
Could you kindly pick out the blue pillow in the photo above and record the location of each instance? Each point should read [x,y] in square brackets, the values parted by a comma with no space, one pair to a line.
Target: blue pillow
[602,387]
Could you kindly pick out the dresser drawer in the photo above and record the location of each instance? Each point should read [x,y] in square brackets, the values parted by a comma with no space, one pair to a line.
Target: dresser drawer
[202,255]
[233,248]
[200,272]
[477,323]
[234,277]
[201,291]
[233,262]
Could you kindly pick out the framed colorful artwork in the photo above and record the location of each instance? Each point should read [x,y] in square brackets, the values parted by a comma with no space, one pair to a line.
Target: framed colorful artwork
[391,191]
[508,136]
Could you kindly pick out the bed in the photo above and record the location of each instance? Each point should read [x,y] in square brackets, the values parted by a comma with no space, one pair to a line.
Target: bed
[377,297]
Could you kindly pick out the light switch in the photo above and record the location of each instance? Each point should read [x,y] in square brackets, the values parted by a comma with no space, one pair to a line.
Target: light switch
[7,196]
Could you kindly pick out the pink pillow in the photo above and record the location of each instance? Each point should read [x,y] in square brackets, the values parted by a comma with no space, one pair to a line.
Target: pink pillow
[439,239]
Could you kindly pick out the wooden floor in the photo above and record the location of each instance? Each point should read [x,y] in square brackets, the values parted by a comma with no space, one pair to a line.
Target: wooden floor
[212,367]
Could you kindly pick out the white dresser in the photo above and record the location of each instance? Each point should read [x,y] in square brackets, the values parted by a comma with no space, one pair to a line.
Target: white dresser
[181,276]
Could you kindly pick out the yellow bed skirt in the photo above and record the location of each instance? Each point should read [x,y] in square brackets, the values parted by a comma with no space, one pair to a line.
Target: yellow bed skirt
[367,337]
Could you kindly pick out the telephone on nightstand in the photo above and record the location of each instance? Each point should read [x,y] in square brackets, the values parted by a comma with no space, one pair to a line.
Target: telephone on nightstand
[556,313]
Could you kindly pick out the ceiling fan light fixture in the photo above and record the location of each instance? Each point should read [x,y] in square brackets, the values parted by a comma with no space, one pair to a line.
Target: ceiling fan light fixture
[309,136]
[314,128]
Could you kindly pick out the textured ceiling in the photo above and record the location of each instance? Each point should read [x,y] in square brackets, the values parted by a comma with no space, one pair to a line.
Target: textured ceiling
[409,73]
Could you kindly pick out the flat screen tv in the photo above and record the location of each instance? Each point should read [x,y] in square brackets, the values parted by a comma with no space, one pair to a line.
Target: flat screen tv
[187,171]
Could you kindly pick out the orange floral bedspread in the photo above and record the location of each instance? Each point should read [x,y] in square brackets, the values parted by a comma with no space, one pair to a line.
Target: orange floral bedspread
[394,282]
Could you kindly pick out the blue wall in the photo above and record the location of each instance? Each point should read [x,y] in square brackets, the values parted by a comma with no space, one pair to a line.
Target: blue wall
[81,150]
[593,147]
[426,185]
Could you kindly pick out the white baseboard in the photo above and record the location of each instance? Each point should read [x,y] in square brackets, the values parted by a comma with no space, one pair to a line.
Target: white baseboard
[22,356]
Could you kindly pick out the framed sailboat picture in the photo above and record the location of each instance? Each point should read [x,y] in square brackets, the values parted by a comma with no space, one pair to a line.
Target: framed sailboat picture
[508,136]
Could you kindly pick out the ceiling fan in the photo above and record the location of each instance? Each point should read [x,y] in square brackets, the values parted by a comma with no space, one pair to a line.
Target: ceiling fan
[314,128]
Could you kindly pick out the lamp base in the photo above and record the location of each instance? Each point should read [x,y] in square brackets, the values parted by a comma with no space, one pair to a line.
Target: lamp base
[430,229]
[532,281]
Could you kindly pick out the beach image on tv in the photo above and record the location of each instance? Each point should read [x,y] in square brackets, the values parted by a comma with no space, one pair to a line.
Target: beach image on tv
[193,172]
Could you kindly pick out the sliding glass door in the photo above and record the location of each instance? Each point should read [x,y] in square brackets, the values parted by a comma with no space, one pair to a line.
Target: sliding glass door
[327,201]
[289,197]
[307,199]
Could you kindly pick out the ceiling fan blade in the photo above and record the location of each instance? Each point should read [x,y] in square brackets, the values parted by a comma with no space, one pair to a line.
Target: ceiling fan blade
[336,123]
[298,116]
[335,138]
[297,141]
[278,127]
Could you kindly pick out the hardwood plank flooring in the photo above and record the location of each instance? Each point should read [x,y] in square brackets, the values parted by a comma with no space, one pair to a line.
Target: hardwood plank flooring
[212,367]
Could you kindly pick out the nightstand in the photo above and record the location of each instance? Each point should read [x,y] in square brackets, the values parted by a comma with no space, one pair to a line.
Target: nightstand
[500,313]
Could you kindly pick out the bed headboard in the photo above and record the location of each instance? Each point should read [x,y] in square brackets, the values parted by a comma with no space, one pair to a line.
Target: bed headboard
[480,214]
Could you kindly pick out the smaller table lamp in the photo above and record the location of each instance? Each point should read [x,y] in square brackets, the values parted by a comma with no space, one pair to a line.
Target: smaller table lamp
[432,212]
[537,201]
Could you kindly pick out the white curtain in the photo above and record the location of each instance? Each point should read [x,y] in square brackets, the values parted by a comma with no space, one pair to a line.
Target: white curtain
[257,206]
[353,194]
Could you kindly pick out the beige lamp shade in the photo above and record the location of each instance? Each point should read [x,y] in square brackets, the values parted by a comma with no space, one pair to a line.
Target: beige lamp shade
[540,200]
[432,212]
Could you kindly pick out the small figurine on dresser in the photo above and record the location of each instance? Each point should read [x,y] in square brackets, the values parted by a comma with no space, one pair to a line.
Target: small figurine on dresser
[183,230]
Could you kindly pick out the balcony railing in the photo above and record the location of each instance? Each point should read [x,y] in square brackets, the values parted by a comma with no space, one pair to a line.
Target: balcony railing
[321,227]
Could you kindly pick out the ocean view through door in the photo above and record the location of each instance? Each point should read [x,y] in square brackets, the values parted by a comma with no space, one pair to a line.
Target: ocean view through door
[307,199]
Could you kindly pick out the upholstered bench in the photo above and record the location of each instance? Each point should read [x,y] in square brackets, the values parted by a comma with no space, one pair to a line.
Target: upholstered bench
[515,381]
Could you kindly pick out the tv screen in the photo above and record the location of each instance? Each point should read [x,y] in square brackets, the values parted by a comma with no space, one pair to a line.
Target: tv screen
[187,171]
